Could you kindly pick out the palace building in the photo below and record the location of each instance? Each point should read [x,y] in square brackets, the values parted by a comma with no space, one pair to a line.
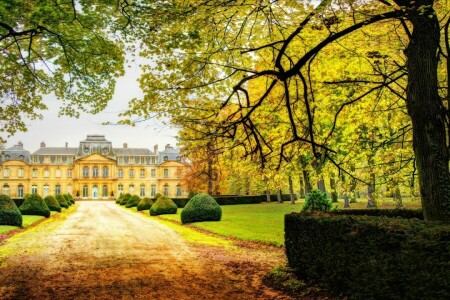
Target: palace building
[93,170]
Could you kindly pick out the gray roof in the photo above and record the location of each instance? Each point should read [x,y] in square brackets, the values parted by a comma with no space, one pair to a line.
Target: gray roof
[56,151]
[170,152]
[132,151]
[95,138]
[15,152]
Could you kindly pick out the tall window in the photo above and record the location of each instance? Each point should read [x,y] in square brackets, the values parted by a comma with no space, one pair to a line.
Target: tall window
[46,190]
[69,173]
[153,173]
[131,173]
[153,190]
[153,160]
[5,190]
[57,189]
[105,172]
[166,190]
[179,190]
[104,191]
[85,172]
[20,191]
[20,173]
[34,189]
[58,159]
[34,173]
[58,173]
[35,159]
[142,191]
[6,173]
[142,173]
[142,160]
[131,160]
[120,173]
[46,173]
[166,173]
[95,172]
[120,189]
[120,159]
[131,188]
[85,191]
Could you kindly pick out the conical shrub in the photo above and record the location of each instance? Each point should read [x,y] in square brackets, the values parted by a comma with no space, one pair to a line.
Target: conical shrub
[144,204]
[34,205]
[67,200]
[163,206]
[9,212]
[125,199]
[201,207]
[52,203]
[120,199]
[62,201]
[133,201]
[70,198]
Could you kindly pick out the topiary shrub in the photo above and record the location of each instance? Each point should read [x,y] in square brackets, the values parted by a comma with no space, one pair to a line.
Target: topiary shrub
[163,206]
[9,213]
[157,196]
[317,201]
[144,204]
[125,199]
[67,200]
[52,203]
[34,205]
[69,196]
[133,201]
[202,207]
[62,201]
[119,199]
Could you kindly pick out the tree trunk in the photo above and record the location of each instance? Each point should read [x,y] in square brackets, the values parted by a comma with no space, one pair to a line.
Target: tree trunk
[321,185]
[427,112]
[346,204]
[302,187]
[398,197]
[291,190]
[370,190]
[334,194]
[279,197]
[267,189]
[308,186]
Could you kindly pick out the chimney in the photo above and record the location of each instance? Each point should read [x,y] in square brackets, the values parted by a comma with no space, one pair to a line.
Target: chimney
[167,146]
[155,149]
[20,144]
[42,145]
[125,145]
[67,145]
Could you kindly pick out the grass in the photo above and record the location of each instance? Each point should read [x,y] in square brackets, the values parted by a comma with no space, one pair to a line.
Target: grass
[27,220]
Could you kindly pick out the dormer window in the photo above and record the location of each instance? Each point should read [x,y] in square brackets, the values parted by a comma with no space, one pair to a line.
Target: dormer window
[35,159]
[21,157]
[7,156]
[166,158]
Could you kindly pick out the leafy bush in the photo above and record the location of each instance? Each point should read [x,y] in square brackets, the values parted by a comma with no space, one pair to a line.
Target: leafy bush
[317,201]
[9,213]
[133,201]
[67,200]
[119,199]
[181,202]
[62,201]
[163,206]
[144,204]
[125,199]
[370,257]
[34,205]
[334,197]
[70,198]
[157,196]
[202,207]
[52,203]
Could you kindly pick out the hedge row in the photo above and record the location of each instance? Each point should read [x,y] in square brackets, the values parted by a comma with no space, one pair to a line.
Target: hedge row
[390,213]
[367,257]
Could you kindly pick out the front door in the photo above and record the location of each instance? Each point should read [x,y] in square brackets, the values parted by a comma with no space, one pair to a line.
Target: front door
[94,192]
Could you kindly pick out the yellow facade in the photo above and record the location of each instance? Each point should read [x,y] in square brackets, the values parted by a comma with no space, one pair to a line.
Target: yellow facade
[96,173]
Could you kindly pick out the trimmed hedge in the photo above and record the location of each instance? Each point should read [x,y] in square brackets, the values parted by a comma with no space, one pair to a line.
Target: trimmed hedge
[125,199]
[34,205]
[180,202]
[390,213]
[119,199]
[62,201]
[52,203]
[202,207]
[163,206]
[67,200]
[9,213]
[70,198]
[367,257]
[133,201]
[144,204]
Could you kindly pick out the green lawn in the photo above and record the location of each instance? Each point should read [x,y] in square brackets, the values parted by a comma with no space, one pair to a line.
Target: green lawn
[26,221]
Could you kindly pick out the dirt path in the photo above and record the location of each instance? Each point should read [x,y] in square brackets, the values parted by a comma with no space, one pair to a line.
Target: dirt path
[102,251]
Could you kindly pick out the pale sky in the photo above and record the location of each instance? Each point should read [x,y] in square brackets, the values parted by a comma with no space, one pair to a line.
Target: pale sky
[56,131]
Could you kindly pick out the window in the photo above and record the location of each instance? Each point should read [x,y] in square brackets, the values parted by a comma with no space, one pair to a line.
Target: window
[142,173]
[166,190]
[57,189]
[120,173]
[85,172]
[120,160]
[69,173]
[120,189]
[166,158]
[131,173]
[153,173]
[131,188]
[46,190]
[34,189]
[69,189]
[142,191]
[166,173]
[58,173]
[21,157]
[20,191]
[179,190]
[105,172]
[5,190]
[95,172]
[58,159]
[20,173]
[131,160]
[6,172]
[7,157]
[35,159]
[85,191]
[46,173]
[153,190]
[69,159]
[104,191]
[153,160]
[142,160]
[34,173]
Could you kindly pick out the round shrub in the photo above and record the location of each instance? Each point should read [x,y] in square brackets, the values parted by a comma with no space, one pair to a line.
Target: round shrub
[317,201]
[163,206]
[34,205]
[62,201]
[125,199]
[119,199]
[157,196]
[67,200]
[144,204]
[9,213]
[70,198]
[133,201]
[52,203]
[201,207]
